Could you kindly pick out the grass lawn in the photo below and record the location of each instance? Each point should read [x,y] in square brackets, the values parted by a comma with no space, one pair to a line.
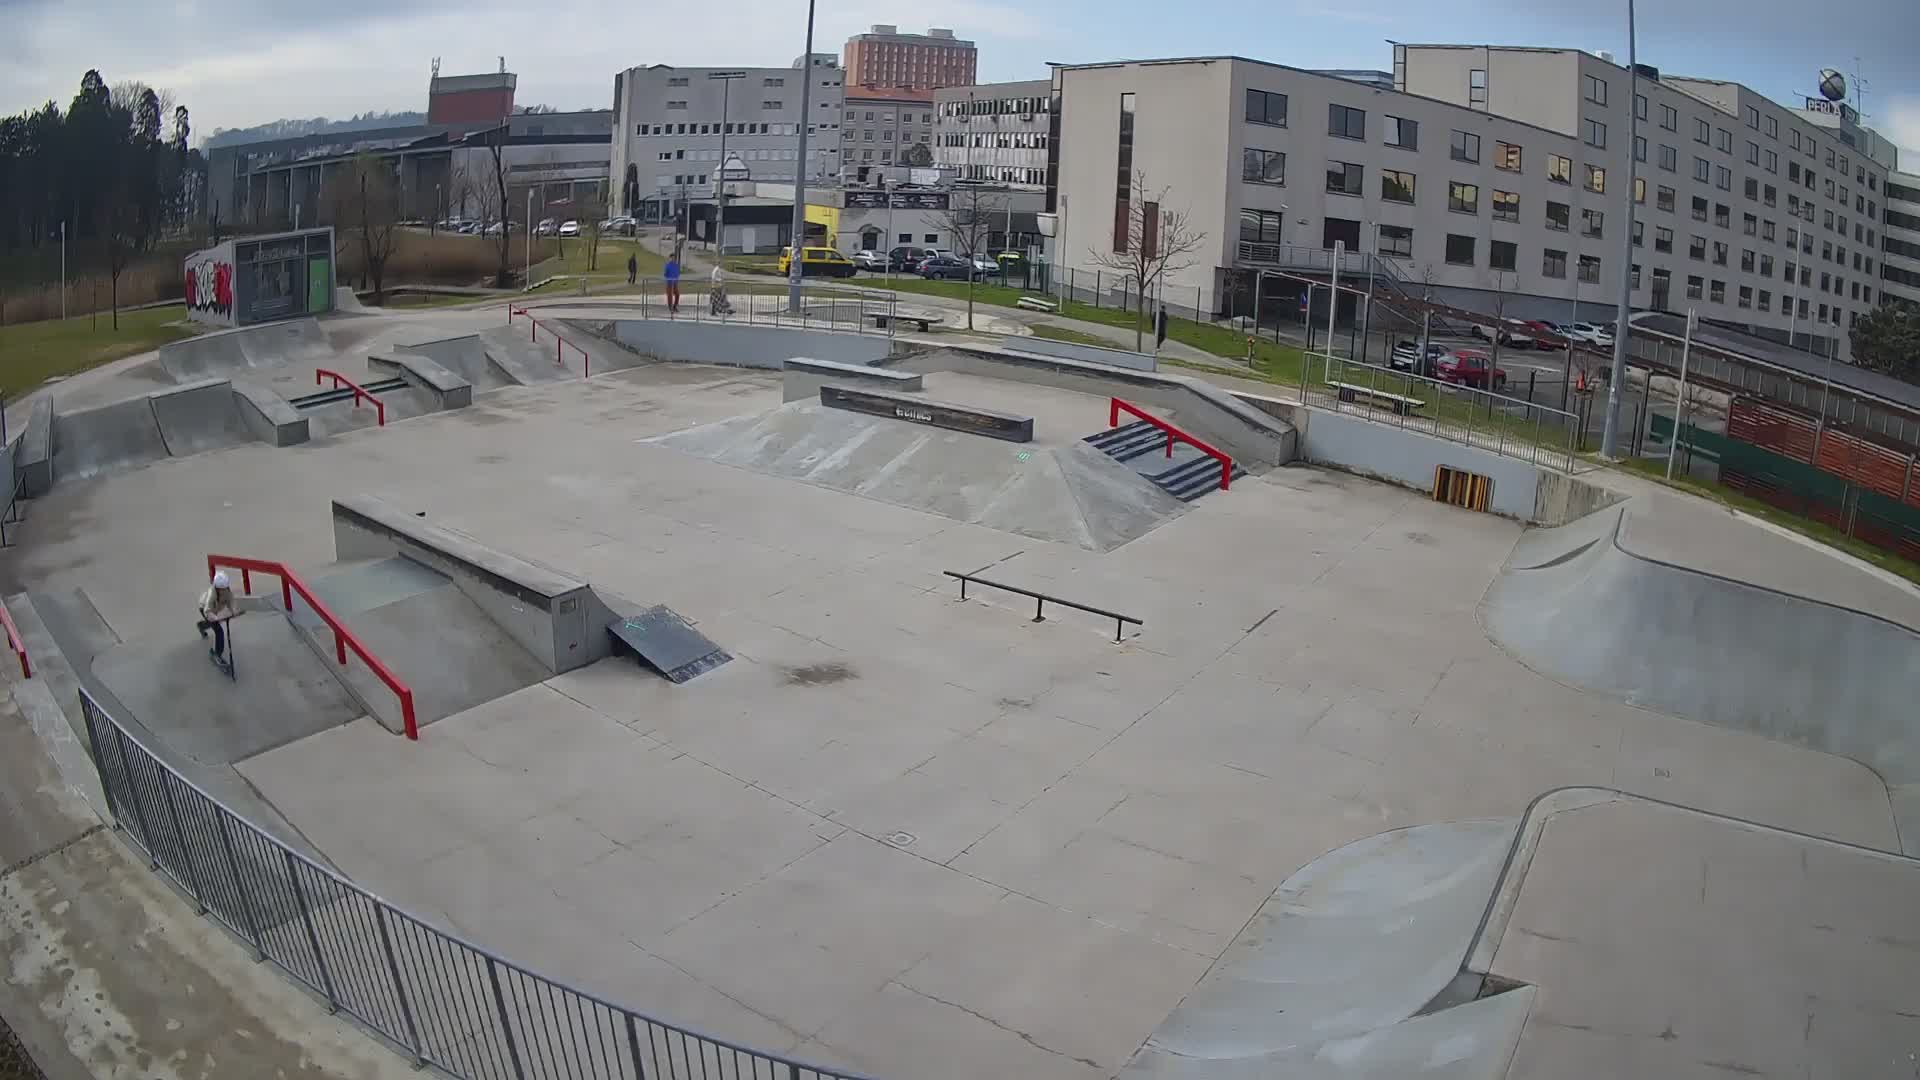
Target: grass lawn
[610,265]
[1063,333]
[31,353]
[1813,530]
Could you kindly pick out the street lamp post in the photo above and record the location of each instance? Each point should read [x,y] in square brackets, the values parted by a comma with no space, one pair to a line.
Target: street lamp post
[800,169]
[1610,434]
[526,242]
[725,78]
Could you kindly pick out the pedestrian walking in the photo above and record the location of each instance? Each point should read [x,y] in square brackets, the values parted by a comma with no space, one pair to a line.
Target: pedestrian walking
[672,274]
[633,269]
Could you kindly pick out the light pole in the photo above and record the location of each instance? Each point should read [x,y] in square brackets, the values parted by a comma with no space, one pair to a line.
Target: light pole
[1610,433]
[725,78]
[526,242]
[800,170]
[1680,404]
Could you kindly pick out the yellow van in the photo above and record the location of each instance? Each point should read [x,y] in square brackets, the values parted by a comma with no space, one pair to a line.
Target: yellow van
[817,262]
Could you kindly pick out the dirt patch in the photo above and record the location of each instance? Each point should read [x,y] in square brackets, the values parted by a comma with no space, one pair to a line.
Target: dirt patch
[819,674]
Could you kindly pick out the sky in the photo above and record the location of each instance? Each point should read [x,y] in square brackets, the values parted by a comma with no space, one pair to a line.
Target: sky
[237,64]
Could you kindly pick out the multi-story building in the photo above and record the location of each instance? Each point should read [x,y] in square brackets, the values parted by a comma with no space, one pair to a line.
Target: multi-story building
[1493,180]
[886,59]
[670,124]
[1900,246]
[996,132]
[878,128]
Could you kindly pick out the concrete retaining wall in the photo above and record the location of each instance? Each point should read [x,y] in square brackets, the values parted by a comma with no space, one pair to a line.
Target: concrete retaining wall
[689,342]
[551,616]
[1561,498]
[35,455]
[803,377]
[1253,438]
[449,391]
[1092,354]
[268,415]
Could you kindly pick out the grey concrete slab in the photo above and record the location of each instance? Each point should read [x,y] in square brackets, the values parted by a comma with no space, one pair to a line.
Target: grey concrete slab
[465,356]
[109,438]
[198,417]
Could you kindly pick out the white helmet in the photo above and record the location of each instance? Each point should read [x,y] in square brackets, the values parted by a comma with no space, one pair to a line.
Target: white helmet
[220,580]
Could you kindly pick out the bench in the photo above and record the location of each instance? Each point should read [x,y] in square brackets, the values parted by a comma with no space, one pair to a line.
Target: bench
[923,321]
[1399,403]
[1035,303]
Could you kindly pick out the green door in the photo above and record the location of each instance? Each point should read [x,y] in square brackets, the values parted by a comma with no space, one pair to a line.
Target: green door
[319,285]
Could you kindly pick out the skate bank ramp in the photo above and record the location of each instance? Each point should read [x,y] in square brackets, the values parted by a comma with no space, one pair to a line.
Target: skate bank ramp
[227,352]
[211,414]
[1337,975]
[1070,493]
[1581,604]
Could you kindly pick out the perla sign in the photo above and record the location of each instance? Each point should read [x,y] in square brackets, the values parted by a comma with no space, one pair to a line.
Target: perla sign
[1833,108]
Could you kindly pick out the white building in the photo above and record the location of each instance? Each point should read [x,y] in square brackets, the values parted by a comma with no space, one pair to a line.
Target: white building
[995,132]
[1900,247]
[669,124]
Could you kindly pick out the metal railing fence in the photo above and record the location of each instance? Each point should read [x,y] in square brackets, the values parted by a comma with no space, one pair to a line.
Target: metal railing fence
[440,1000]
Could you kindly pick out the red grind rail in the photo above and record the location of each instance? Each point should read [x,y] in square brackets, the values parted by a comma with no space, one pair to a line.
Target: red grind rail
[343,638]
[1226,463]
[559,343]
[17,643]
[340,380]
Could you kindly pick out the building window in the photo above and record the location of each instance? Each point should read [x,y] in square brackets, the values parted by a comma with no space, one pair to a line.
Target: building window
[1476,91]
[1559,216]
[1699,208]
[1702,169]
[1639,148]
[1590,269]
[1506,206]
[1396,240]
[1719,253]
[1123,177]
[677,80]
[1669,158]
[1403,133]
[1459,249]
[1723,140]
[1747,260]
[1773,162]
[1640,190]
[1591,222]
[1753,118]
[1722,215]
[1559,169]
[1640,106]
[1723,178]
[1635,284]
[1669,118]
[1261,226]
[1596,179]
[1502,255]
[1506,156]
[1344,178]
[1266,108]
[1596,90]
[1767,231]
[1766,300]
[1663,240]
[1770,195]
[1702,131]
[1663,199]
[1697,248]
[1639,234]
[1752,189]
[1696,285]
[1773,127]
[1594,132]
[1263,166]
[1553,263]
[676,105]
[1346,123]
[1396,186]
[1750,224]
[1466,146]
[1463,198]
[1717,293]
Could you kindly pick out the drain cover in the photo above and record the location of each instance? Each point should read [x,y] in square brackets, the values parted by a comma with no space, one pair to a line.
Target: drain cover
[900,839]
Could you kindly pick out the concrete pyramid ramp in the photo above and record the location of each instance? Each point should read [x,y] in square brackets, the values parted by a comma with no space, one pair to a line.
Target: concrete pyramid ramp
[1604,617]
[1072,494]
[465,356]
[1325,978]
[199,417]
[221,354]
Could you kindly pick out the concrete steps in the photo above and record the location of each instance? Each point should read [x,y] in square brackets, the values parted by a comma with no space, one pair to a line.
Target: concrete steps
[1186,474]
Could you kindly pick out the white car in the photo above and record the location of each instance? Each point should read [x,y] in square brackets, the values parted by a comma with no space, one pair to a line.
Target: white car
[1512,333]
[569,228]
[985,266]
[1591,333]
[872,261]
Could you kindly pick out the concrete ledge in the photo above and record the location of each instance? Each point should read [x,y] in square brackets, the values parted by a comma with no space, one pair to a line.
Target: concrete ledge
[1254,438]
[741,345]
[449,391]
[1561,498]
[1092,354]
[804,376]
[35,456]
[547,613]
[268,415]
[941,414]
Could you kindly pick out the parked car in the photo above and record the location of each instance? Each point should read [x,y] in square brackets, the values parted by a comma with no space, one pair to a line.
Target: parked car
[1512,333]
[817,262]
[908,259]
[546,227]
[1591,333]
[1406,357]
[496,228]
[873,261]
[941,267]
[1545,335]
[1469,367]
[619,226]
[569,228]
[985,266]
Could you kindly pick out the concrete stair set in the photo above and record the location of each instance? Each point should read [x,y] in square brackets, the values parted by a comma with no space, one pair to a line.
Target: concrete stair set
[1186,475]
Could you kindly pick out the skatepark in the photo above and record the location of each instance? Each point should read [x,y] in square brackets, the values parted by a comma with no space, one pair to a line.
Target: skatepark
[1299,772]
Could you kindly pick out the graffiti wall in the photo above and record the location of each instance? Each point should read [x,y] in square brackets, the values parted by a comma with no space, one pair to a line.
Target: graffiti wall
[209,285]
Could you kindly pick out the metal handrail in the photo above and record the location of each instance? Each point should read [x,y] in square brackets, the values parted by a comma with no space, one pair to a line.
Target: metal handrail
[1041,599]
[439,998]
[343,638]
[1116,406]
[15,642]
[359,391]
[1495,438]
[559,342]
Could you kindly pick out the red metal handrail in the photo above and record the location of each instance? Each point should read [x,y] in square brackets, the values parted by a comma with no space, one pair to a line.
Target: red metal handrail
[340,380]
[586,362]
[17,643]
[1226,463]
[343,638]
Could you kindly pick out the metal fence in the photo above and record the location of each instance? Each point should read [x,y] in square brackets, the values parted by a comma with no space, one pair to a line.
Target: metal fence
[1508,426]
[440,1000]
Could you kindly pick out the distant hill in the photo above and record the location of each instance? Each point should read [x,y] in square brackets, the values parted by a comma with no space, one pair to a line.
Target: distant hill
[319,125]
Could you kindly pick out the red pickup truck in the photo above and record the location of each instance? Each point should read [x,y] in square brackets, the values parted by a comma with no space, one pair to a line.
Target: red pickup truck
[1471,368]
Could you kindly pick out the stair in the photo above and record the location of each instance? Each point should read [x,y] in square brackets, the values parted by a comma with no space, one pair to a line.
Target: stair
[345,393]
[1186,475]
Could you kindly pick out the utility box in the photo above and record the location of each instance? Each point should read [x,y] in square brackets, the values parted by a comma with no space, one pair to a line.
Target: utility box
[257,279]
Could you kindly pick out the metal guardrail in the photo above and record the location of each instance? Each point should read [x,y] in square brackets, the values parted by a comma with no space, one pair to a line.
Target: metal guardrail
[359,391]
[1508,426]
[440,1000]
[1041,600]
[559,342]
[1115,407]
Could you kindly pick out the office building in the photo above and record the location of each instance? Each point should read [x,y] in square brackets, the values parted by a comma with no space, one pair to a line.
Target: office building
[995,132]
[879,126]
[886,59]
[669,124]
[1900,247]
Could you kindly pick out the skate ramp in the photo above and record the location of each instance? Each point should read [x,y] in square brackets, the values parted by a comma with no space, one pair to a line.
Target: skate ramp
[199,417]
[1070,493]
[1604,617]
[524,361]
[466,357]
[1324,979]
[218,355]
[122,435]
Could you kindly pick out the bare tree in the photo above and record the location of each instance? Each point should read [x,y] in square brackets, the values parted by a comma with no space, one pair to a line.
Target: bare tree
[492,190]
[1152,243]
[968,218]
[593,216]
[1499,321]
[365,197]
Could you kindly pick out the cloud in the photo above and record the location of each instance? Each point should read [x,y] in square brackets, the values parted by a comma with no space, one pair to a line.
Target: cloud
[1900,121]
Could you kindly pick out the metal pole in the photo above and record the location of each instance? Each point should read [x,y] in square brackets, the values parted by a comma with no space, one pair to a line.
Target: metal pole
[1826,389]
[800,168]
[527,243]
[1333,296]
[63,272]
[720,177]
[1610,434]
[1373,265]
[1686,347]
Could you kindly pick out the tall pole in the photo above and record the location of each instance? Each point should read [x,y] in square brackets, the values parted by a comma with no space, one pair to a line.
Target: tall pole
[63,272]
[720,177]
[526,242]
[1686,347]
[1610,433]
[800,169]
[1366,326]
[1333,299]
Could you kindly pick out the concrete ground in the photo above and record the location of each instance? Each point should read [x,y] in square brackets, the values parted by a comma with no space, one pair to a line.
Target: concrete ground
[902,833]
